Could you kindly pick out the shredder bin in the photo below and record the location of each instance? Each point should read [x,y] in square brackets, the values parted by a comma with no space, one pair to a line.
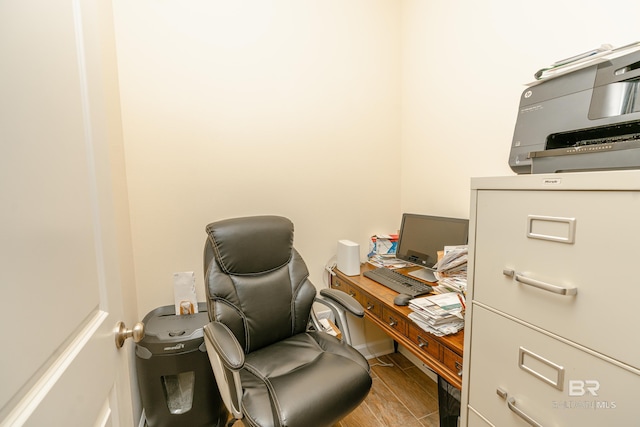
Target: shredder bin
[176,381]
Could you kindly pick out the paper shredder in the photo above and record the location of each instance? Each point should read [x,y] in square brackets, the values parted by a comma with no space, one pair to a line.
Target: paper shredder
[176,381]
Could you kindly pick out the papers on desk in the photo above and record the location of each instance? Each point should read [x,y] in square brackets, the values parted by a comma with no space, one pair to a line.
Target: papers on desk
[440,314]
[454,259]
[387,261]
[452,270]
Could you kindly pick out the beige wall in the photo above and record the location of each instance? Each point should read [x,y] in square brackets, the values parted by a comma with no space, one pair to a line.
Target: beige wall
[246,108]
[339,114]
[464,66]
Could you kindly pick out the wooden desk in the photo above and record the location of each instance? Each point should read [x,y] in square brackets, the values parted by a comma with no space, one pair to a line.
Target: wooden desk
[442,354]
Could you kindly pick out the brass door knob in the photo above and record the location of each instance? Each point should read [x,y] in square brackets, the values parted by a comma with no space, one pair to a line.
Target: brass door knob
[122,333]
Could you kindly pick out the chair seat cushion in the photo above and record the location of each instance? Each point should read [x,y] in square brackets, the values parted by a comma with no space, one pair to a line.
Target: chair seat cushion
[298,373]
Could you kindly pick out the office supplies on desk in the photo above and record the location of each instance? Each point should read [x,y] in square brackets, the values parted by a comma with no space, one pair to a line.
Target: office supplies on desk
[398,282]
[383,245]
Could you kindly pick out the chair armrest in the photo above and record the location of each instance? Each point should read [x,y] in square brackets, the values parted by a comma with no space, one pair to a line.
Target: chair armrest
[345,300]
[227,358]
[225,345]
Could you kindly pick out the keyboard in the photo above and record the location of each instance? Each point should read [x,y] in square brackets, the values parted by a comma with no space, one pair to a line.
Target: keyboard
[398,282]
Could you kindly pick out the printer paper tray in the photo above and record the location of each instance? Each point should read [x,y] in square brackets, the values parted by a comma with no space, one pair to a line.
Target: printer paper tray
[613,158]
[586,149]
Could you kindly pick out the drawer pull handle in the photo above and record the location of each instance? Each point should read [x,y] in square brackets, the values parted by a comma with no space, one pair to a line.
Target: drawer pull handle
[370,306]
[561,290]
[459,368]
[392,322]
[511,403]
[422,343]
[352,294]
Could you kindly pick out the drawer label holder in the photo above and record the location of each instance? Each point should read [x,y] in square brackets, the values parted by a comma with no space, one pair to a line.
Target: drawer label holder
[524,356]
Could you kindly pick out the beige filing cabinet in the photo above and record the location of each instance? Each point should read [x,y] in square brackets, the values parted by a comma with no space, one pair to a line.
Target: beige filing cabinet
[551,335]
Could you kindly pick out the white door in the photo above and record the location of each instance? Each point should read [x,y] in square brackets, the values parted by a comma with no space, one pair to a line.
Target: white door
[60,281]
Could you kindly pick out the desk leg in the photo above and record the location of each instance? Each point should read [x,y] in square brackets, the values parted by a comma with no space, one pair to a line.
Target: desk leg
[395,346]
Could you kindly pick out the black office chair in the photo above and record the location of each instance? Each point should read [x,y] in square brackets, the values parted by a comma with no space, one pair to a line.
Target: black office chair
[273,365]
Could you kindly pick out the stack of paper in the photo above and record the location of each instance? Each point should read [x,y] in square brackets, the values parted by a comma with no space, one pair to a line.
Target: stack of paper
[452,269]
[386,261]
[439,314]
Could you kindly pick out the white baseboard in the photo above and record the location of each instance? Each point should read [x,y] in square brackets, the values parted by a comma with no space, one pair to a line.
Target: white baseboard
[424,368]
[375,348]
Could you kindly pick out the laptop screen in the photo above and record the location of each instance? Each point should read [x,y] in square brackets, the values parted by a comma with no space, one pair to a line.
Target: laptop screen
[422,236]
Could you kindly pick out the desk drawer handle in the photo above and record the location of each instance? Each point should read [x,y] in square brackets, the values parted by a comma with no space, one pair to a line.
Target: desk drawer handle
[511,403]
[459,368]
[392,322]
[422,342]
[561,290]
[336,283]
[352,294]
[370,306]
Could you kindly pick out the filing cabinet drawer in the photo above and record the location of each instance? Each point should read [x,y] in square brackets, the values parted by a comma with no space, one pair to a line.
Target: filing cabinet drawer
[516,368]
[425,342]
[475,420]
[533,246]
[394,320]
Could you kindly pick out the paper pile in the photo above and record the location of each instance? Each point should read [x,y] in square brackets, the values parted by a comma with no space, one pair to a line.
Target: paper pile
[439,314]
[452,269]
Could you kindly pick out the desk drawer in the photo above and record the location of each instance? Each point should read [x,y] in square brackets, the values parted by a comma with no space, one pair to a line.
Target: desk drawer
[569,240]
[554,383]
[394,320]
[341,285]
[371,304]
[425,342]
[452,361]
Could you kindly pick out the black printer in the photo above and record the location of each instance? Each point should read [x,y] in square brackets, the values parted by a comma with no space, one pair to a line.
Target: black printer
[581,116]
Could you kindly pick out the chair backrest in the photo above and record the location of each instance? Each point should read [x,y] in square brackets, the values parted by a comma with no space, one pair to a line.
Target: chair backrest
[256,282]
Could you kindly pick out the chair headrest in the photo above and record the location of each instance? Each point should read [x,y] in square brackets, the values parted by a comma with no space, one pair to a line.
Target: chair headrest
[251,245]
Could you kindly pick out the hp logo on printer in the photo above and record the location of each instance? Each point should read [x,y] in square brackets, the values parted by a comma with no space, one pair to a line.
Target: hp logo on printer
[528,94]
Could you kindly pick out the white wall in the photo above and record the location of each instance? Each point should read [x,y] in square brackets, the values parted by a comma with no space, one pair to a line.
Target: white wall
[236,108]
[465,64]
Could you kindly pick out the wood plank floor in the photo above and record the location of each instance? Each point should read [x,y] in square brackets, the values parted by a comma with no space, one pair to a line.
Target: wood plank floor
[402,395]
